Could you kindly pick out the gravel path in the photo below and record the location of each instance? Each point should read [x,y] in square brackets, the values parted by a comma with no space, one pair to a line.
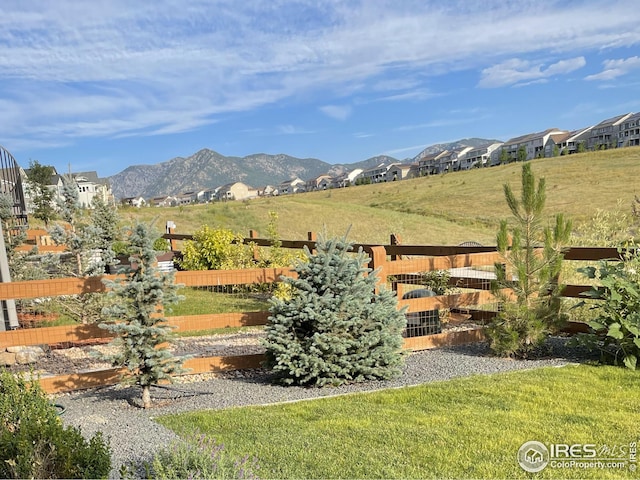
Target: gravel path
[134,435]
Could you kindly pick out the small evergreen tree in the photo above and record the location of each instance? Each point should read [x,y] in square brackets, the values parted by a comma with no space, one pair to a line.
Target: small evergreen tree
[334,328]
[137,318]
[504,156]
[522,154]
[535,257]
[41,195]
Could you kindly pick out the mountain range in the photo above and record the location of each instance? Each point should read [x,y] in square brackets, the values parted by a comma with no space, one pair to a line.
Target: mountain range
[209,169]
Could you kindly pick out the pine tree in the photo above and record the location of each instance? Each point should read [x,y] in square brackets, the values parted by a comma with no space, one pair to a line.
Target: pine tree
[334,328]
[137,319]
[535,258]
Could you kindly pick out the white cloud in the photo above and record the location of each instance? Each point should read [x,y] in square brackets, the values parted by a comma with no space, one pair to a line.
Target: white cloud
[616,68]
[338,112]
[75,69]
[518,71]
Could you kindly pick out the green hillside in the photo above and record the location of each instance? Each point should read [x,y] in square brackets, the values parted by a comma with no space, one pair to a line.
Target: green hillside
[445,209]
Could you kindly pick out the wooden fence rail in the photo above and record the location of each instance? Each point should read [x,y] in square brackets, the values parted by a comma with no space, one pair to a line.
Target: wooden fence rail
[397,264]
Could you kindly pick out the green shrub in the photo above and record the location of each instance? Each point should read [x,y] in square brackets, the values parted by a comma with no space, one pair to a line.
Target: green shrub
[200,457]
[334,328]
[615,331]
[216,249]
[35,444]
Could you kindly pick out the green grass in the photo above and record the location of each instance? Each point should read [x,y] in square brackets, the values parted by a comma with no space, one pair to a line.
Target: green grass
[200,301]
[445,209]
[463,428]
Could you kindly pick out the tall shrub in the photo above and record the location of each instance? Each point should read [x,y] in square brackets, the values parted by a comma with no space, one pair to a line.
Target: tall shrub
[141,330]
[35,444]
[531,309]
[215,249]
[334,328]
[615,330]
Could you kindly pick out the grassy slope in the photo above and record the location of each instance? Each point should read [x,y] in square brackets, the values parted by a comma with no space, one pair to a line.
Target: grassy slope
[463,428]
[445,209]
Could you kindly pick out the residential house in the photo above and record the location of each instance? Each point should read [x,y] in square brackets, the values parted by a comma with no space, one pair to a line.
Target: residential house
[629,134]
[294,185]
[236,191]
[321,182]
[205,196]
[134,202]
[346,179]
[267,191]
[187,198]
[555,143]
[163,201]
[91,186]
[374,175]
[534,145]
[605,133]
[478,156]
[448,161]
[576,138]
[402,171]
[427,163]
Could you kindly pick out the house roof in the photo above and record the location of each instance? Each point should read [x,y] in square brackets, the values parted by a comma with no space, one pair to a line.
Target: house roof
[612,121]
[531,136]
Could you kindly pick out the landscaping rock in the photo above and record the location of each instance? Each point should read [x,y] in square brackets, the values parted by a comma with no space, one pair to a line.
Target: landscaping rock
[23,348]
[28,355]
[7,359]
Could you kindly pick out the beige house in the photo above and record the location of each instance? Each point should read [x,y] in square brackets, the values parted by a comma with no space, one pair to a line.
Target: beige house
[236,191]
[402,171]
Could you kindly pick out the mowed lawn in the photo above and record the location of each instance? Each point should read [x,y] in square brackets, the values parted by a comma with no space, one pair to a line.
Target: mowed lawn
[464,428]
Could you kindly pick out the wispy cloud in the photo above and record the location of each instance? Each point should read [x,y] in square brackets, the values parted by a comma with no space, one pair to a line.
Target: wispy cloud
[75,69]
[616,68]
[518,71]
[339,112]
[293,130]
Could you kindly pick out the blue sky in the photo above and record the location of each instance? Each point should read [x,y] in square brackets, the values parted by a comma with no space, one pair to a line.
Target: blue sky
[105,85]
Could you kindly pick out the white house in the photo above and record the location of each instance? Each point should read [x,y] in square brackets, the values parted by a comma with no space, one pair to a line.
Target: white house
[478,156]
[294,185]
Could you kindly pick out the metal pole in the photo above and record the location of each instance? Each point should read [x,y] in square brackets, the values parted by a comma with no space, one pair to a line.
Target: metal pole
[9,313]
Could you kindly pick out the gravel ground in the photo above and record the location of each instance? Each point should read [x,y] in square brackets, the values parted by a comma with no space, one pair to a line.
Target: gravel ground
[134,435]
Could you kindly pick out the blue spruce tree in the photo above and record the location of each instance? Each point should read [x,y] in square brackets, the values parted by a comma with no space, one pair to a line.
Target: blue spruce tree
[334,328]
[137,318]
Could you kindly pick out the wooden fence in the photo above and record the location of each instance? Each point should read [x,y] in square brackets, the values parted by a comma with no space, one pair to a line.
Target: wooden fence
[398,265]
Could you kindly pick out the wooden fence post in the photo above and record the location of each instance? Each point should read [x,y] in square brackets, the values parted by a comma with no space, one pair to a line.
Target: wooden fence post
[312,237]
[171,229]
[395,240]
[378,260]
[256,252]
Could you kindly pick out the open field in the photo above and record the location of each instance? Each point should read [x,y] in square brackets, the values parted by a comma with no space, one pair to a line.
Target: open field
[445,209]
[464,428]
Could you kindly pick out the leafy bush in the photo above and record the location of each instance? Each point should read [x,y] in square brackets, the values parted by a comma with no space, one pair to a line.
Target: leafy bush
[615,331]
[334,328]
[200,457]
[35,444]
[216,249]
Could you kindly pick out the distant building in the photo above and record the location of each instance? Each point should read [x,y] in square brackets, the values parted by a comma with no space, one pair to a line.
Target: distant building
[134,202]
[606,133]
[629,131]
[236,191]
[289,187]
